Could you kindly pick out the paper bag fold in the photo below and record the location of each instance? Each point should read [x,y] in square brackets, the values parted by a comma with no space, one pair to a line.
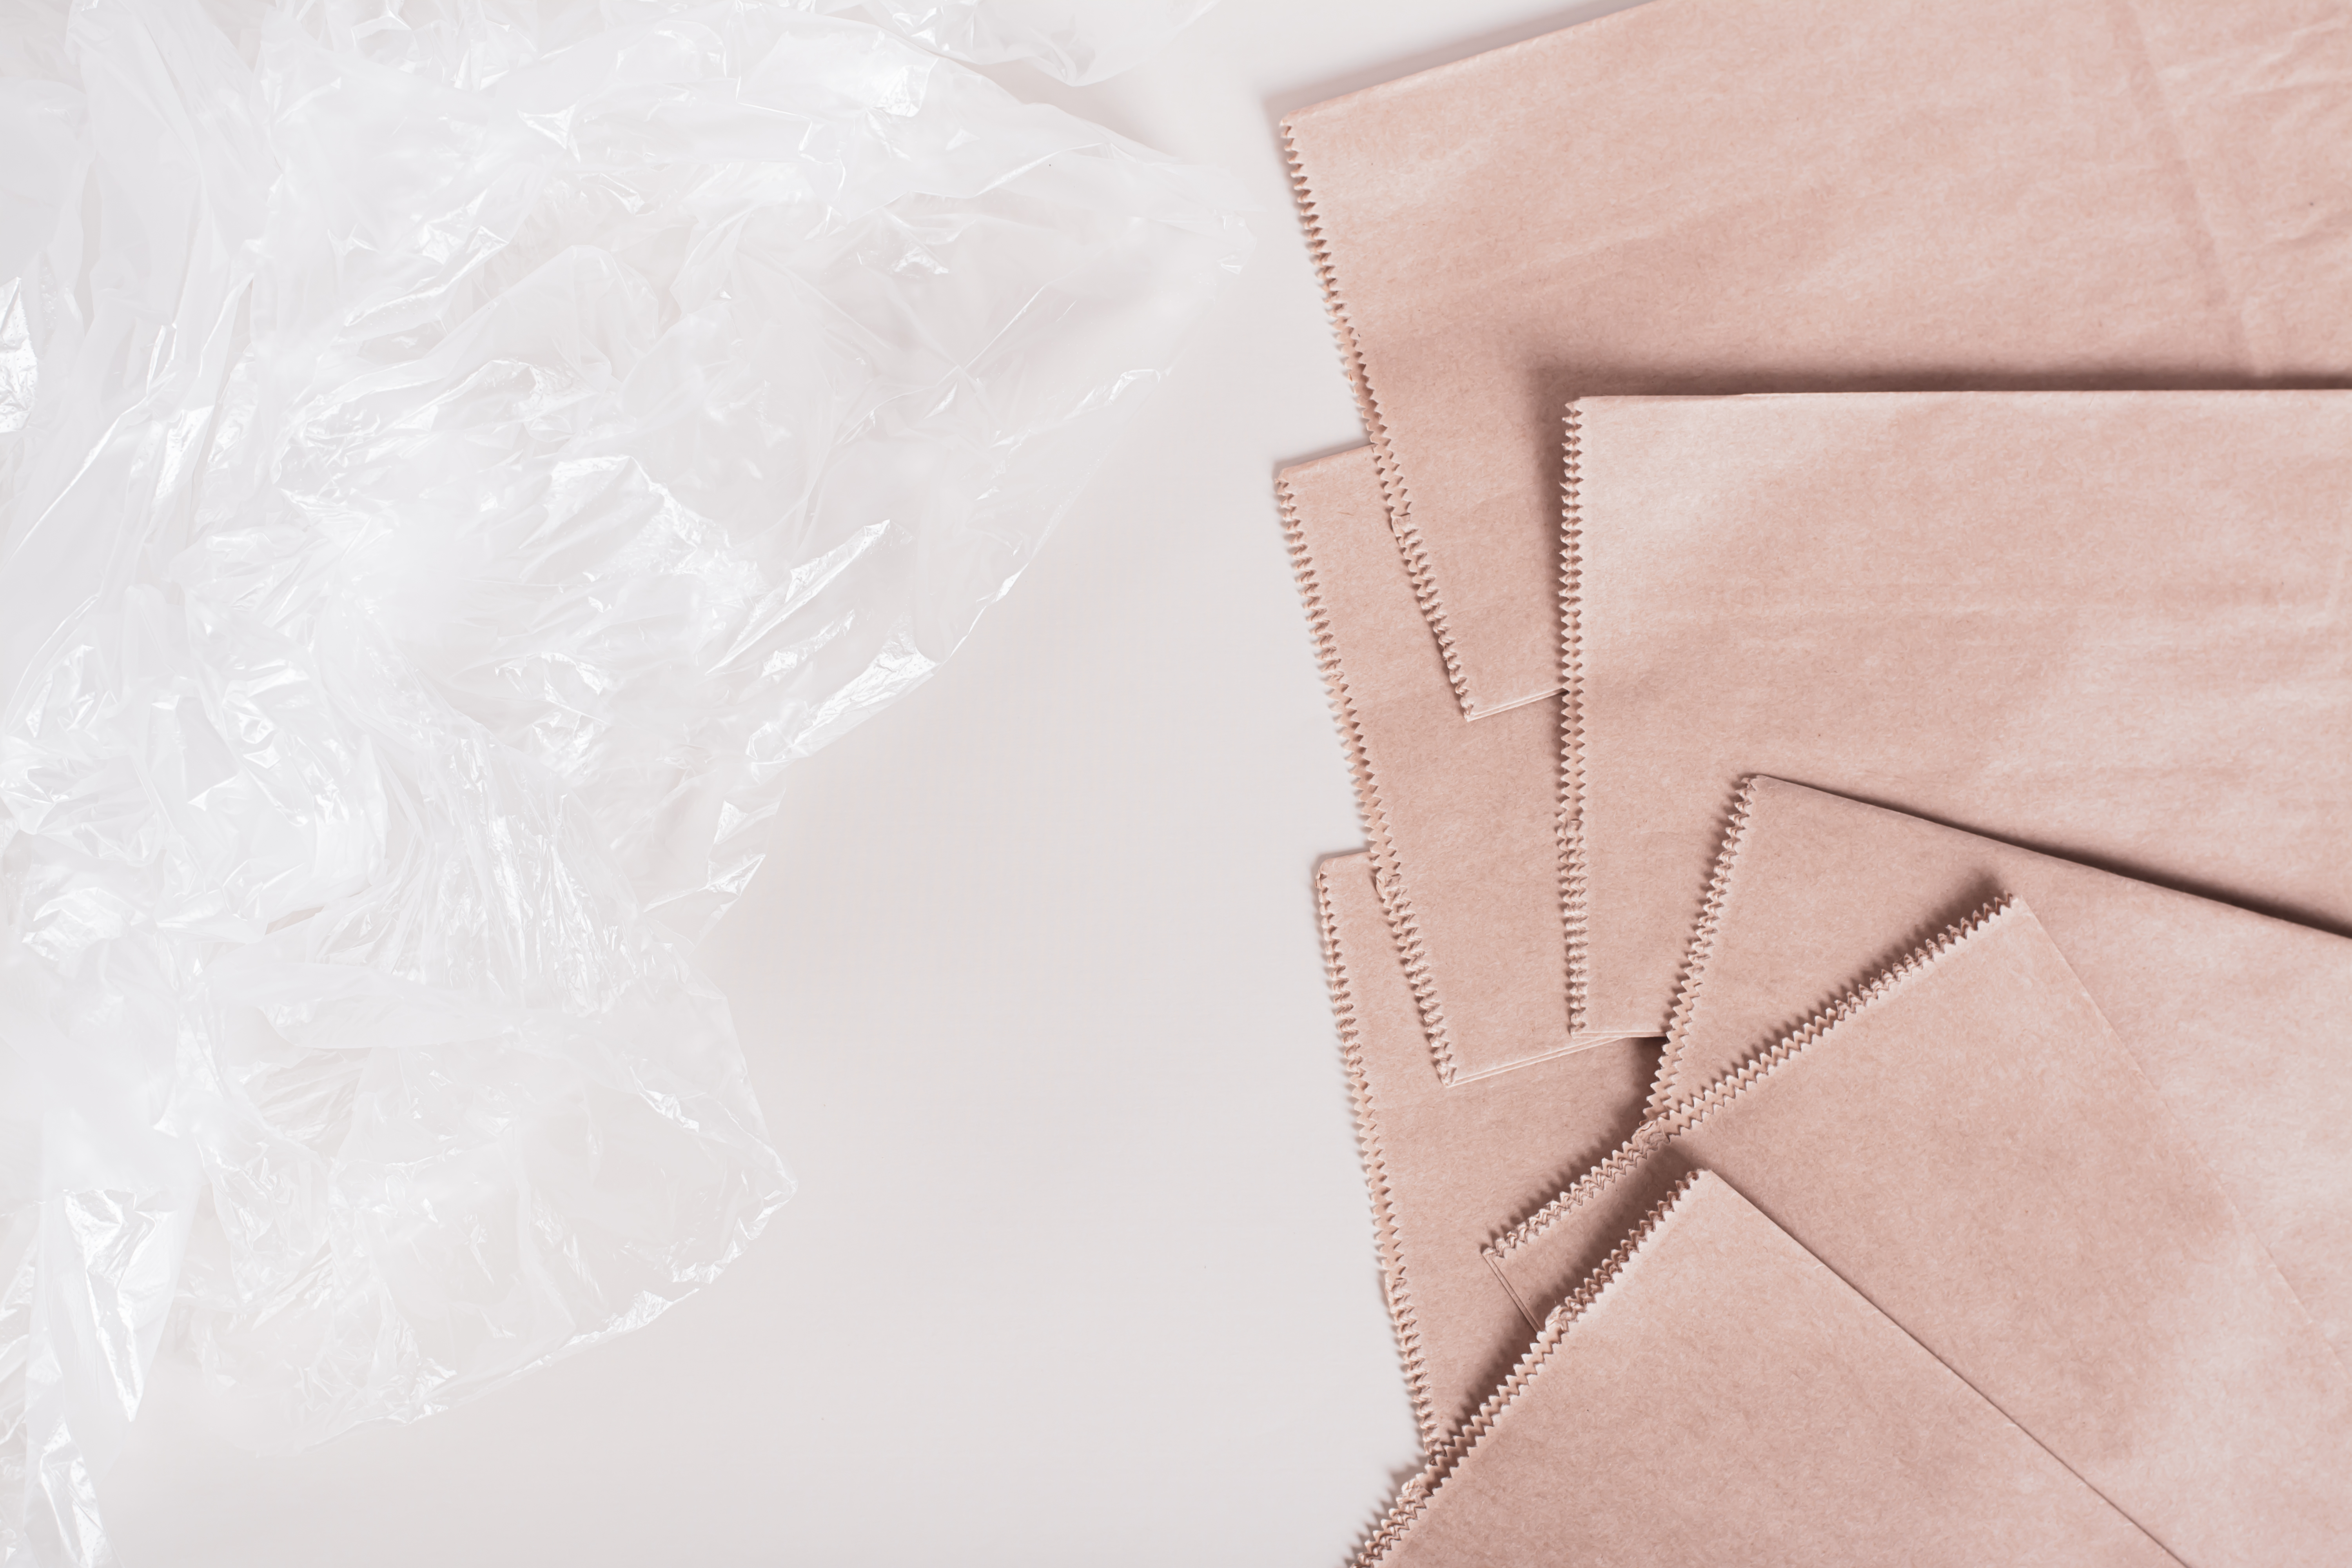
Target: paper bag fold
[1736,196]
[1712,1396]
[1964,1143]
[1449,1165]
[2112,625]
[1460,815]
[2242,1023]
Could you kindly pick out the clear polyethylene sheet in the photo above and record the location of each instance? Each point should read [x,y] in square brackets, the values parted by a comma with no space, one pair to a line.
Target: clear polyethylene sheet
[452,457]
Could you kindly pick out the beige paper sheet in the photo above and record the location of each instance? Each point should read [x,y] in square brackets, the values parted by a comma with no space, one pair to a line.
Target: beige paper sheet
[2115,626]
[2239,1020]
[1715,1397]
[2244,1023]
[1450,1165]
[1743,195]
[1461,816]
[1966,1144]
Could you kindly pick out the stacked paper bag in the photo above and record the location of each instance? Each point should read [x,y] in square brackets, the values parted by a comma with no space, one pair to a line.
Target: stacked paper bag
[1844,636]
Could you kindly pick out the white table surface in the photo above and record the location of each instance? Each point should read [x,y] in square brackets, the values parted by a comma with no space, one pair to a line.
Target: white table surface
[1081,1268]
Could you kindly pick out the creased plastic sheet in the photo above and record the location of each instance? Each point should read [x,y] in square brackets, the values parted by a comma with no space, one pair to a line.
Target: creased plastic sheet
[452,457]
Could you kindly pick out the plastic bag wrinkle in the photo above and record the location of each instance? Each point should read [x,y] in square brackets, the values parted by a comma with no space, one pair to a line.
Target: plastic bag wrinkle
[447,471]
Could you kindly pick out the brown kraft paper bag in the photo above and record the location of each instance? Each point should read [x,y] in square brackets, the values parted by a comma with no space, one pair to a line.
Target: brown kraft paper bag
[1792,195]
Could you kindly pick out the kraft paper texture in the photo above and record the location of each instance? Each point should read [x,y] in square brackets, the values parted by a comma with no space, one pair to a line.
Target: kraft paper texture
[1714,1395]
[1448,1165]
[1461,816]
[1964,1143]
[1748,196]
[2112,625]
[2242,1023]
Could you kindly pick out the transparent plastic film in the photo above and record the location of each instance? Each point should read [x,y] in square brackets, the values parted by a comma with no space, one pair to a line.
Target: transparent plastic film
[452,459]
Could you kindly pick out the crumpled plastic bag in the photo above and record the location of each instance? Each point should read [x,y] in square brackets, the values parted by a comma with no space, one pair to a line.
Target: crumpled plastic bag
[453,456]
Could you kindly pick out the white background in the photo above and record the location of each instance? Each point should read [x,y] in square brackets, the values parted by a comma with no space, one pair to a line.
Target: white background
[1081,1267]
